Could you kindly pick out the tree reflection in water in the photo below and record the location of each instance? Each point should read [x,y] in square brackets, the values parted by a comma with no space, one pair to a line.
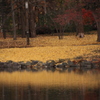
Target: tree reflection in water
[49,86]
[39,93]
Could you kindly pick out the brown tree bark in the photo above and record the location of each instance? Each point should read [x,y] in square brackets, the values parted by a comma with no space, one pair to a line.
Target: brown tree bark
[94,6]
[23,22]
[13,18]
[60,34]
[3,26]
[96,14]
[98,30]
[79,20]
[27,21]
[32,23]
[3,17]
[79,29]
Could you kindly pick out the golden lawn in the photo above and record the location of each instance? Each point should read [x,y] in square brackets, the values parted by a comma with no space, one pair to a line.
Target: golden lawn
[51,48]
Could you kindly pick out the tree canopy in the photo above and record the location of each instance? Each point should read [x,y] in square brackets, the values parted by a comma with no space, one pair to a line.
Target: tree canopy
[56,14]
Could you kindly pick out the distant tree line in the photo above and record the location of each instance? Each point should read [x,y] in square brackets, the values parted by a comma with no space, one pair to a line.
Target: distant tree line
[28,17]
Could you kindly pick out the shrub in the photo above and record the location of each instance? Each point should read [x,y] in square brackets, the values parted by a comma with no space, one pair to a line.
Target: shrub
[43,30]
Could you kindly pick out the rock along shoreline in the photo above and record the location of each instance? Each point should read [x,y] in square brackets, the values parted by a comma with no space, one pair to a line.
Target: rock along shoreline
[78,66]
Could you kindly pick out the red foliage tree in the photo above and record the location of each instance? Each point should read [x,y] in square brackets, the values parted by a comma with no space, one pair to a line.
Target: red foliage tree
[88,18]
[94,7]
[63,19]
[73,12]
[76,13]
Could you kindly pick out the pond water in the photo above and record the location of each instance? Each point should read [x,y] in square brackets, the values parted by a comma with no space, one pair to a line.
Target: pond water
[49,86]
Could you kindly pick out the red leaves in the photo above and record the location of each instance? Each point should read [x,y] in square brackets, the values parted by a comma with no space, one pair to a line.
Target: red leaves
[71,14]
[87,17]
[63,19]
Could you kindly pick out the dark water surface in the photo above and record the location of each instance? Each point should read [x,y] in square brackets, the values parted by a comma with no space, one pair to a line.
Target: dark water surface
[32,92]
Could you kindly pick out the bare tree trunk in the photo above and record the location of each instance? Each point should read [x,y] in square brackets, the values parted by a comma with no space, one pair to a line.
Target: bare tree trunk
[61,33]
[3,22]
[45,10]
[96,15]
[54,24]
[27,22]
[32,21]
[3,26]
[79,23]
[98,30]
[80,29]
[13,18]
[23,22]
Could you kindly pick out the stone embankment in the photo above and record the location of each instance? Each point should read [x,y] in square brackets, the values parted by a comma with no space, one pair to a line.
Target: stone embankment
[78,66]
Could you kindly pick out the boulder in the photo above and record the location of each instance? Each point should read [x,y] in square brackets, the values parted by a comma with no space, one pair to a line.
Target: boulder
[23,65]
[39,65]
[33,62]
[72,64]
[28,63]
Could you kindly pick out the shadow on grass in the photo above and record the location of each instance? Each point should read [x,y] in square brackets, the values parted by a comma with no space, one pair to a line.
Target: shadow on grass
[96,51]
[88,57]
[13,44]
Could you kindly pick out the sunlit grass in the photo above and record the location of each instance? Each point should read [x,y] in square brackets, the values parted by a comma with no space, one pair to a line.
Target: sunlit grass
[50,79]
[48,53]
[49,48]
[42,41]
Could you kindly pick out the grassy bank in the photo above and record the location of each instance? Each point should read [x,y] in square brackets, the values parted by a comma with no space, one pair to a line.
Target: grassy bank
[50,48]
[43,41]
[49,53]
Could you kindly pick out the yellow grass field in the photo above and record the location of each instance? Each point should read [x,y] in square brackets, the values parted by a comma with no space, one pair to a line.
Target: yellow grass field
[45,48]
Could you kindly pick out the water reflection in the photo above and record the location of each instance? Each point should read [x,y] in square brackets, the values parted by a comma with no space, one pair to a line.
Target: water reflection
[33,93]
[11,89]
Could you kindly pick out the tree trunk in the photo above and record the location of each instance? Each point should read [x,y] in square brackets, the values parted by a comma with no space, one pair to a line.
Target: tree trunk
[96,14]
[79,26]
[32,21]
[27,25]
[45,9]
[22,23]
[80,30]
[3,28]
[79,23]
[13,18]
[60,33]
[3,25]
[98,30]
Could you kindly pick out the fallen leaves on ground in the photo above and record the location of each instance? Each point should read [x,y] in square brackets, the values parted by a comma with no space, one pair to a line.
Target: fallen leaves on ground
[51,48]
